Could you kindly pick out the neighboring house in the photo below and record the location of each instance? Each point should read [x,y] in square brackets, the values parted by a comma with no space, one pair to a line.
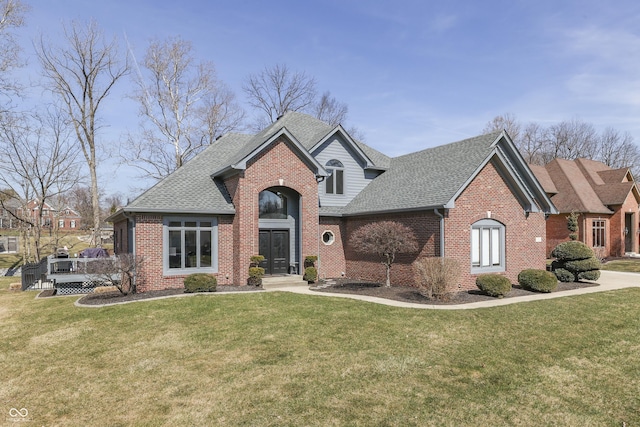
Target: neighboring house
[8,210]
[606,200]
[64,219]
[300,187]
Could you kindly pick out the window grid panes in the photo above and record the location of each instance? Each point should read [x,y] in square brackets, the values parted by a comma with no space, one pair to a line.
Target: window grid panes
[598,233]
[487,241]
[335,180]
[189,244]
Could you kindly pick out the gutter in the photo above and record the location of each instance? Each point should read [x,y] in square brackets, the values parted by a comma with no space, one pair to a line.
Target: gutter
[441,231]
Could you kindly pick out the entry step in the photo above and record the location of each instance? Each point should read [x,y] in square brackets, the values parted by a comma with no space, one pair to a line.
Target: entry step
[272,282]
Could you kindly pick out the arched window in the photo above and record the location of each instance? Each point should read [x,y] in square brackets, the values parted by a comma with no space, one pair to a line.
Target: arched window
[487,246]
[335,180]
[272,205]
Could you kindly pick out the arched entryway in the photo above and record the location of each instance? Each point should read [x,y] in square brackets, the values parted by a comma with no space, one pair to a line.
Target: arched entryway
[279,225]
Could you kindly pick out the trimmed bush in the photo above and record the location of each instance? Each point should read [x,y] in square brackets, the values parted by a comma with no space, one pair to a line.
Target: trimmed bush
[571,251]
[310,274]
[436,278]
[589,275]
[564,275]
[256,260]
[310,260]
[493,285]
[200,282]
[255,276]
[583,265]
[538,280]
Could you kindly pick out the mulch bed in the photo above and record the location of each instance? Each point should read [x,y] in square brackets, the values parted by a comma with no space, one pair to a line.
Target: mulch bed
[410,294]
[116,297]
[342,285]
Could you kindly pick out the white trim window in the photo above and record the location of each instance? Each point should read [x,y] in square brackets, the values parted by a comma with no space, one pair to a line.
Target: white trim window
[487,246]
[334,183]
[190,245]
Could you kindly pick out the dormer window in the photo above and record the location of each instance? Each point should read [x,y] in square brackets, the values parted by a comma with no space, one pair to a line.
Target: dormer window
[335,180]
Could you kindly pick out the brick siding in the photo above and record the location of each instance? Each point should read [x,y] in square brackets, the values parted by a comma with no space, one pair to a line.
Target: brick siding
[276,166]
[426,228]
[489,196]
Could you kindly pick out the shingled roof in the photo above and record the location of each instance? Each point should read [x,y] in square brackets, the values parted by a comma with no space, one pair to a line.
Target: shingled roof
[192,189]
[585,185]
[430,178]
[434,177]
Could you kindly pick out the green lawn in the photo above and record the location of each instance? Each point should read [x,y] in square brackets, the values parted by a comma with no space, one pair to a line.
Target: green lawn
[630,265]
[281,359]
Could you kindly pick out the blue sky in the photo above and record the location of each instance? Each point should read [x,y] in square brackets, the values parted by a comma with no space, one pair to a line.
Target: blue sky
[415,74]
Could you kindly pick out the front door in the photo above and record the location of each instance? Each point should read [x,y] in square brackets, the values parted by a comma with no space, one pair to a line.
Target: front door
[628,232]
[274,246]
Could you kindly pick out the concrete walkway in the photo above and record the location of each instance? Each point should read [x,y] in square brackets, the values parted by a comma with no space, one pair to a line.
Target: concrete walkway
[609,281]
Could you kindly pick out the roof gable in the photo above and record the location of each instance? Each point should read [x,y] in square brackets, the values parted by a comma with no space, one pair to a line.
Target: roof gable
[614,176]
[245,156]
[367,162]
[435,177]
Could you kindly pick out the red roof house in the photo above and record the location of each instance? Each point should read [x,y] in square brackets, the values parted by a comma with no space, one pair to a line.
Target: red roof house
[605,199]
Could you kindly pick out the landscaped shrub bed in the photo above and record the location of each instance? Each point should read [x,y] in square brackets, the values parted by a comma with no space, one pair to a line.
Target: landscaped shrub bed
[200,282]
[538,280]
[493,285]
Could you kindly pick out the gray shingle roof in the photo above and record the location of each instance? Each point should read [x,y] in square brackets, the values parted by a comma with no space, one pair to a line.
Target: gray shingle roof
[428,178]
[191,188]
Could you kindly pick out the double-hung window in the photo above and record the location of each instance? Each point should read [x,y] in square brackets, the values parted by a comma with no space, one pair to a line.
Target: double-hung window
[190,245]
[335,180]
[487,246]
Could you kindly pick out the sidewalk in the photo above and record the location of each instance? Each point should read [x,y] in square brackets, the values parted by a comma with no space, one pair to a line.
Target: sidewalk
[609,281]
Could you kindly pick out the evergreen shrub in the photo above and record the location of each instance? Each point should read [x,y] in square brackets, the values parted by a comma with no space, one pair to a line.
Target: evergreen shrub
[200,282]
[538,280]
[493,285]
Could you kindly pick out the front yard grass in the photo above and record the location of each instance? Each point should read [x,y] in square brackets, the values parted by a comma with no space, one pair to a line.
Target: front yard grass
[281,359]
[631,265]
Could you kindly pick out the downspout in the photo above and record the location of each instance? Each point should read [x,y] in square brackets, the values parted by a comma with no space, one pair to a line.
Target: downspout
[441,231]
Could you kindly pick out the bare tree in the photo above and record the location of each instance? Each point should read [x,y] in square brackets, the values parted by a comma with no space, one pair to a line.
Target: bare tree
[531,143]
[185,104]
[80,200]
[112,204]
[330,110]
[386,239]
[618,150]
[124,272]
[39,163]
[570,140]
[276,90]
[11,17]
[81,74]
[507,122]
